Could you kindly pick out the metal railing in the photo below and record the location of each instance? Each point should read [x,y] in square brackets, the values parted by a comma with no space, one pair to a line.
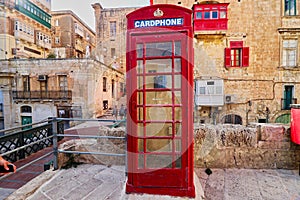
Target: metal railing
[56,135]
[40,95]
[18,144]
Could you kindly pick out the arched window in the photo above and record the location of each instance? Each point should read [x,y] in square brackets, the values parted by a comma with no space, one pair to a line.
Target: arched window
[26,109]
[284,119]
[232,119]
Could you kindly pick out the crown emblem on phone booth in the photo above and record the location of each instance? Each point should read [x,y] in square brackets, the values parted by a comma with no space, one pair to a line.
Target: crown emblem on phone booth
[158,13]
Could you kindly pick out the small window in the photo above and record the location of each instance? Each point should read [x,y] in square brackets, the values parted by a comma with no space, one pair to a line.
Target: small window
[17,25]
[57,40]
[113,29]
[105,105]
[26,83]
[236,55]
[210,90]
[214,15]
[222,14]
[202,90]
[289,53]
[63,82]
[56,22]
[232,119]
[206,15]
[219,89]
[104,84]
[26,109]
[198,15]
[113,52]
[290,7]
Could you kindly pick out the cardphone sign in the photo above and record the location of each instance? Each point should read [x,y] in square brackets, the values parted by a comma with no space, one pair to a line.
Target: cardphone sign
[158,22]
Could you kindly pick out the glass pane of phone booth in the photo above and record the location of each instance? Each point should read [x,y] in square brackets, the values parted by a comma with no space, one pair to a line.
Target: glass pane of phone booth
[159,105]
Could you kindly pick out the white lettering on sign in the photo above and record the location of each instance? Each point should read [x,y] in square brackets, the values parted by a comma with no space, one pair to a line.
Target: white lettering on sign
[158,22]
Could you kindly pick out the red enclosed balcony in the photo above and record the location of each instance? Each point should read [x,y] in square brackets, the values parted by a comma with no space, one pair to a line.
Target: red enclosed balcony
[210,17]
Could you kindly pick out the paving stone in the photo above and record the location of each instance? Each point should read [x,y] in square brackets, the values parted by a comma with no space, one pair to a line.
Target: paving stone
[214,187]
[111,175]
[5,192]
[102,191]
[61,190]
[39,196]
[271,186]
[83,190]
[234,184]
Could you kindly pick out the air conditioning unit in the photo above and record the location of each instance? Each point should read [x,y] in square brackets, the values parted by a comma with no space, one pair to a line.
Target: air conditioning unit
[42,77]
[229,99]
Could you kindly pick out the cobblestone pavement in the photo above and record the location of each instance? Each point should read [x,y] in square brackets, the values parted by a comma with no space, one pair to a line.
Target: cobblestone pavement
[97,182]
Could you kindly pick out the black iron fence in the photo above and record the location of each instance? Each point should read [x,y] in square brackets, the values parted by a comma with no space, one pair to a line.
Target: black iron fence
[18,143]
[42,95]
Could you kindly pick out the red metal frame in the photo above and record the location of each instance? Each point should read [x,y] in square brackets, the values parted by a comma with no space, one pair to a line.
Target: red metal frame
[171,180]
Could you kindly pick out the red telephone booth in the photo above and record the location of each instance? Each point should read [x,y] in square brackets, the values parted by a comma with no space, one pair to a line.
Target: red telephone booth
[159,85]
[295,123]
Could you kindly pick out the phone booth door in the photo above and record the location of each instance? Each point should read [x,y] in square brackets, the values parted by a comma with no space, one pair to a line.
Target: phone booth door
[160,99]
[160,145]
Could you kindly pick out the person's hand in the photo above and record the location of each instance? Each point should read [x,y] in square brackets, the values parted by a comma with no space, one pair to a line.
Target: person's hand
[5,164]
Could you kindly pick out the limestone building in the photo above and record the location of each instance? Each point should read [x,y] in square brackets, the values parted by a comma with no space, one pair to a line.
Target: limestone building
[111,35]
[33,90]
[71,37]
[25,30]
[246,59]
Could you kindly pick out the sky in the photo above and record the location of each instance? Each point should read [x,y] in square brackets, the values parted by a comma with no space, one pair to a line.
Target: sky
[84,10]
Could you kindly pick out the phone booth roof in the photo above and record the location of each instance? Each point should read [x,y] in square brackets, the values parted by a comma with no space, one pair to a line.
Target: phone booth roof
[160,16]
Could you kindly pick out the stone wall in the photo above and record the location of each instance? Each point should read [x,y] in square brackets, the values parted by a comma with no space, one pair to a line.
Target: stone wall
[222,146]
[233,146]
